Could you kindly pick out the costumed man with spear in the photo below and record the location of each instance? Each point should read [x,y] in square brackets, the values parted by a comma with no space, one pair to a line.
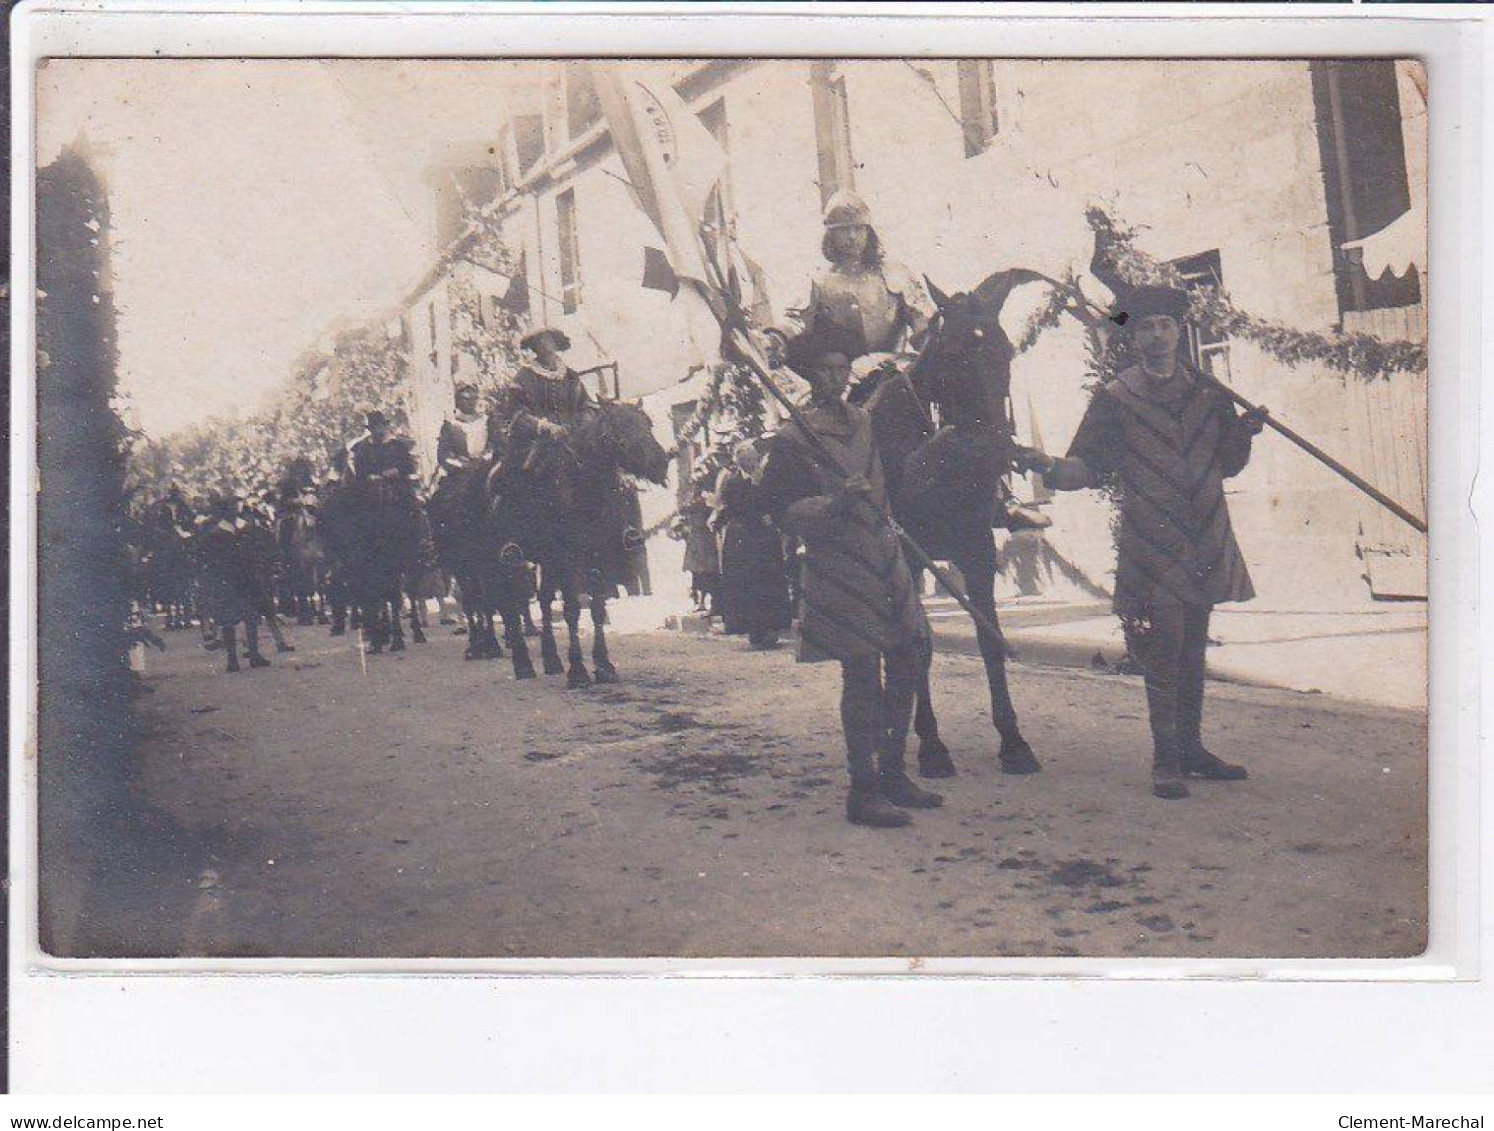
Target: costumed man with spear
[1172,436]
[860,604]
[673,165]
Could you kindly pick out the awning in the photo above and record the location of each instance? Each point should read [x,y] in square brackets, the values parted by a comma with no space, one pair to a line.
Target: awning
[1397,246]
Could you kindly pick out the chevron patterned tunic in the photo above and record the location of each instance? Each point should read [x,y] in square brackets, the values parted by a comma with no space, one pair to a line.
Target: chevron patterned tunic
[1173,444]
[858,597]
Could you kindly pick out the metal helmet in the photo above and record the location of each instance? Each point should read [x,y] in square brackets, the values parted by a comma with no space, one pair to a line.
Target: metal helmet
[846,209]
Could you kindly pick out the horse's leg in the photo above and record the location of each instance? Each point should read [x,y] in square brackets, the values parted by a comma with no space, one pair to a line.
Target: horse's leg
[300,595]
[549,653]
[606,673]
[513,629]
[417,626]
[281,645]
[366,617]
[251,642]
[230,645]
[393,606]
[570,596]
[933,756]
[472,612]
[525,583]
[1015,755]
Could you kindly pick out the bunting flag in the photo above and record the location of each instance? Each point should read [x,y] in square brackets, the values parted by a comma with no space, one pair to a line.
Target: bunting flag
[673,164]
[671,159]
[515,299]
[658,275]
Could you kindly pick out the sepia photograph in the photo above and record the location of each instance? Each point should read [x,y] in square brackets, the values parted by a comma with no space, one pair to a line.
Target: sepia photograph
[749,507]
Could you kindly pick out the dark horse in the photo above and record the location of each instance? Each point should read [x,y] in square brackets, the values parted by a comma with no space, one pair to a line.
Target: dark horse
[944,481]
[303,558]
[562,505]
[373,530]
[465,513]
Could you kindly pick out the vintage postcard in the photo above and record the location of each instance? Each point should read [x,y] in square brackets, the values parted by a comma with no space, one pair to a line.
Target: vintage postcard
[732,508]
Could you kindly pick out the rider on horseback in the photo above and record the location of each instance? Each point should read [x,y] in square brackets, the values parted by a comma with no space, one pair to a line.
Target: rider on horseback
[860,305]
[380,457]
[547,395]
[464,437]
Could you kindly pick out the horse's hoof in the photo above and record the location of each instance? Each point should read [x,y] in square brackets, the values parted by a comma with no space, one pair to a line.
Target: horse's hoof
[472,654]
[934,760]
[554,667]
[375,649]
[285,647]
[607,674]
[577,678]
[1016,757]
[397,646]
[417,636]
[212,645]
[524,673]
[258,662]
[233,667]
[304,622]
[338,631]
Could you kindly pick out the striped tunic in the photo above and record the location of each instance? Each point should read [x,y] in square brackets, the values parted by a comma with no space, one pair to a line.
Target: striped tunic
[858,598]
[1172,446]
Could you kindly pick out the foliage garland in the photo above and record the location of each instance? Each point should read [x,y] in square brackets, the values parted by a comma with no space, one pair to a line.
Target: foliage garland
[1354,353]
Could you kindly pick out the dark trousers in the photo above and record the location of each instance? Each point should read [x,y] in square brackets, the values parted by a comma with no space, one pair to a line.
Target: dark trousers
[876,714]
[1170,646]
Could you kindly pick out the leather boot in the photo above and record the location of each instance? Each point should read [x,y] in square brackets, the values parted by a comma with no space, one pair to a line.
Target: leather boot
[1167,775]
[897,787]
[865,806]
[1199,763]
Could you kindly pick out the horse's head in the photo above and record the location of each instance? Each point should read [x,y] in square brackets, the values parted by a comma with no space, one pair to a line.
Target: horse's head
[621,434]
[966,327]
[966,361]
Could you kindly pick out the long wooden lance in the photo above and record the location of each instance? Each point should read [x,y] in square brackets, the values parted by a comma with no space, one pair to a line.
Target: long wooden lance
[1319,454]
[734,323]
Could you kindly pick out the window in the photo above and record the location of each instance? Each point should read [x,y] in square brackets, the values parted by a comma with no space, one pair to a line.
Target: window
[431,311]
[404,333]
[569,251]
[977,104]
[832,129]
[529,140]
[1365,183]
[582,107]
[555,113]
[1208,351]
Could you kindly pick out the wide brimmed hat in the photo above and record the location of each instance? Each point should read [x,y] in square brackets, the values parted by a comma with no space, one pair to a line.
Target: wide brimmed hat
[1143,301]
[562,341]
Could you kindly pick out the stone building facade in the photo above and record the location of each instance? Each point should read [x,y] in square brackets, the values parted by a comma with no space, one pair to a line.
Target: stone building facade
[1251,174]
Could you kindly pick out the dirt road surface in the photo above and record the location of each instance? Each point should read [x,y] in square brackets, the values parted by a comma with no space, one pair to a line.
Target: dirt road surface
[431,807]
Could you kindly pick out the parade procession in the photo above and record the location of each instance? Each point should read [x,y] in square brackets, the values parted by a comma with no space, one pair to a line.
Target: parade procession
[925,446]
